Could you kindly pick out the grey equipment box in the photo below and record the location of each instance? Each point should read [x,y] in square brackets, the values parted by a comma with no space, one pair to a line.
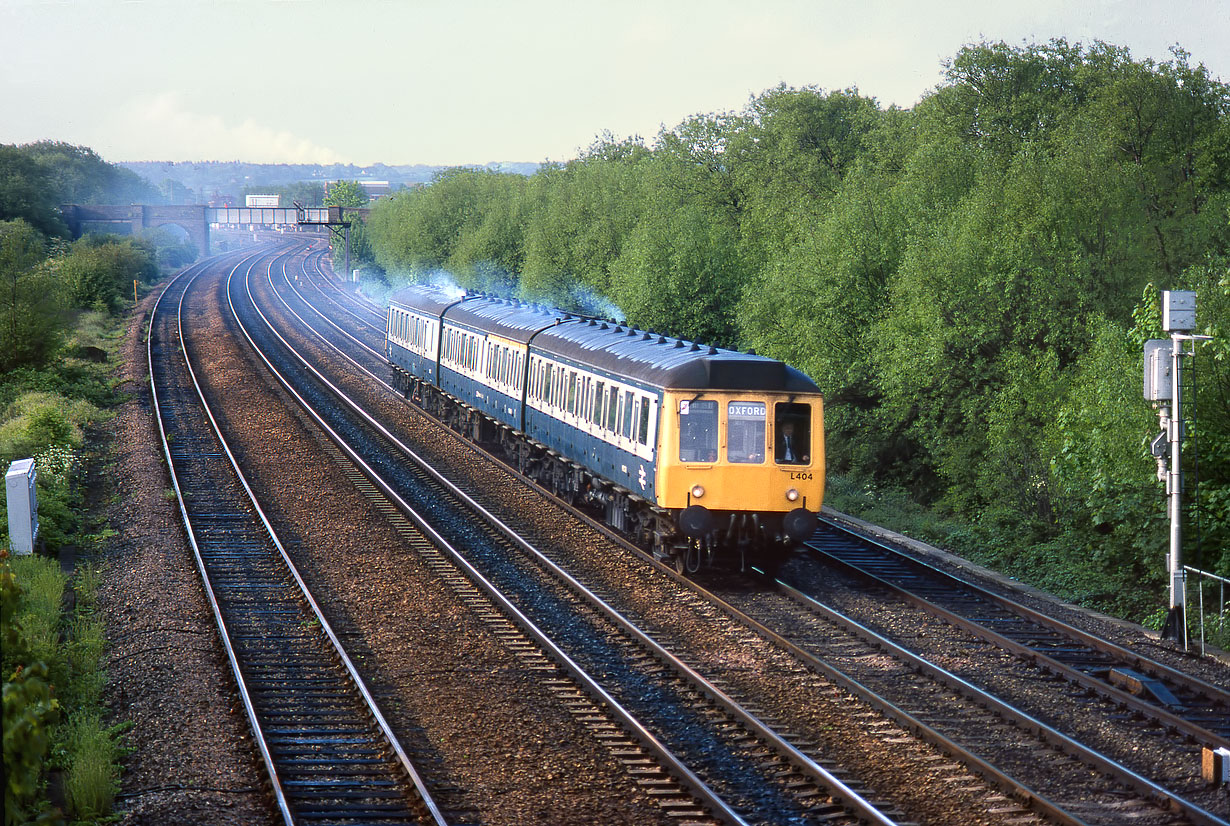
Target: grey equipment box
[1178,310]
[1158,381]
[23,506]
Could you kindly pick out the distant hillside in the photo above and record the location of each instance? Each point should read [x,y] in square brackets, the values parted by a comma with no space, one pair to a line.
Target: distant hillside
[203,181]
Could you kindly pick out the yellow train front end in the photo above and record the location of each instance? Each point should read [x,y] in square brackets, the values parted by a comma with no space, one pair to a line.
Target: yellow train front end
[742,469]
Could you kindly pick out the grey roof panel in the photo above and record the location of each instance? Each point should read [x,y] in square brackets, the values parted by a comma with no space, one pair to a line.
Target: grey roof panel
[652,359]
[669,363]
[510,319]
[432,300]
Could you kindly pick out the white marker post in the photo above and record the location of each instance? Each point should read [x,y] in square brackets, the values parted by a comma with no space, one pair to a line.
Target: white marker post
[22,505]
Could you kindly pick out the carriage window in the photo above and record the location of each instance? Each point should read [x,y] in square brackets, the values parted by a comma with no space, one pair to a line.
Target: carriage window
[643,438]
[599,396]
[698,431]
[627,407]
[792,433]
[745,426]
[612,409]
[571,406]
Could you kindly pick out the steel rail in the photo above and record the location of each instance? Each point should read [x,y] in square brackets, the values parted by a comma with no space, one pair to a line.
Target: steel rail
[1045,733]
[838,788]
[364,303]
[367,308]
[327,629]
[279,794]
[683,773]
[369,701]
[1166,718]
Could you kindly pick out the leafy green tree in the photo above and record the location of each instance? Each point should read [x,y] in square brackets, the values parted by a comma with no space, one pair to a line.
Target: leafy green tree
[346,194]
[578,217]
[26,192]
[30,296]
[351,194]
[681,271]
[79,176]
[787,156]
[416,232]
[491,250]
[99,271]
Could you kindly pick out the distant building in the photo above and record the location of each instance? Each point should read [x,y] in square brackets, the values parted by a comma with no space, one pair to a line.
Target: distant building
[374,189]
[262,200]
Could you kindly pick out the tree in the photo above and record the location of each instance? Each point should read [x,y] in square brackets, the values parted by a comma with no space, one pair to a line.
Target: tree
[79,176]
[680,270]
[31,300]
[346,194]
[578,218]
[99,271]
[26,192]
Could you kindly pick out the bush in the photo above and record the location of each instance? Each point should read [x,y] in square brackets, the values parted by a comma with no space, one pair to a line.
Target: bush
[29,614]
[38,421]
[91,777]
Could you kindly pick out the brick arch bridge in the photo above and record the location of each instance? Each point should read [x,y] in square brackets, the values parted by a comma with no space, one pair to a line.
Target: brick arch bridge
[132,219]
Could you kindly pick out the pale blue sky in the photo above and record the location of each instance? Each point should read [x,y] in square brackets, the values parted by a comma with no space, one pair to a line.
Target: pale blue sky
[472,81]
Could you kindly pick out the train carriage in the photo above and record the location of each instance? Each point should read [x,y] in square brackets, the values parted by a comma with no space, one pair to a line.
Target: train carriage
[692,450]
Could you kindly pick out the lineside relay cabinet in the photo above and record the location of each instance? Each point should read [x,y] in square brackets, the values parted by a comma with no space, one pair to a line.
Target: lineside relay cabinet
[1158,386]
[22,505]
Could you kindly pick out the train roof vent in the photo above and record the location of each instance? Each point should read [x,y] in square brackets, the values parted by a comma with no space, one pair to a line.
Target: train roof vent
[712,350]
[661,339]
[646,337]
[678,344]
[695,346]
[604,326]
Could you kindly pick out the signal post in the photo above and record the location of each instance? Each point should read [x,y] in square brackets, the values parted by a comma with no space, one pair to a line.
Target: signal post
[1162,362]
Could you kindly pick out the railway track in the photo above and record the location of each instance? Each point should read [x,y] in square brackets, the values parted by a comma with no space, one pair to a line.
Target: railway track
[327,750]
[1173,700]
[1135,798]
[765,778]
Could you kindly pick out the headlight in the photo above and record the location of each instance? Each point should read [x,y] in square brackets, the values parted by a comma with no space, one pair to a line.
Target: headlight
[698,491]
[792,495]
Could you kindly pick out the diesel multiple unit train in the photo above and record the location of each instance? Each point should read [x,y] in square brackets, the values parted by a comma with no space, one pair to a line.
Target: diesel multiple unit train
[698,454]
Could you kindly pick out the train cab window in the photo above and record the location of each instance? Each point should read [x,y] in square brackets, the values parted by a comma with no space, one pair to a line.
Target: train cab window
[745,428]
[698,430]
[792,433]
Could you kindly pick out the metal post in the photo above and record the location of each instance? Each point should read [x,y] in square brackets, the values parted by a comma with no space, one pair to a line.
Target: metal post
[1176,619]
[346,277]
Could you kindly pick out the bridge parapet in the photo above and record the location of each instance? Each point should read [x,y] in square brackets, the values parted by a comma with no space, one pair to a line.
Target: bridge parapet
[132,219]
